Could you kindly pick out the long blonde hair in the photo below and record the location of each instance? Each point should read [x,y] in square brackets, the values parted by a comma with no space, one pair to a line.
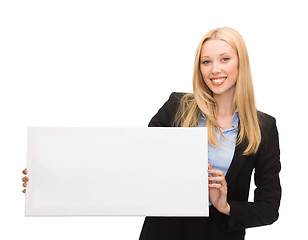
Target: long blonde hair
[201,100]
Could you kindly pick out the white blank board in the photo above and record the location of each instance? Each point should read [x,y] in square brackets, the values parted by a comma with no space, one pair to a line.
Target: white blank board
[117,171]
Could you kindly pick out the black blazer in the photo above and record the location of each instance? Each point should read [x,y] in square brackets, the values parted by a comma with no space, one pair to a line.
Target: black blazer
[243,214]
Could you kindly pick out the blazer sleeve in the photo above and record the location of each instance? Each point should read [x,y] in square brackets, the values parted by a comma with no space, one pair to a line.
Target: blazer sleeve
[264,209]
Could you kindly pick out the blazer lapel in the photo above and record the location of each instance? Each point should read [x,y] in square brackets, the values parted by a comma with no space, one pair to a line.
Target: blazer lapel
[237,162]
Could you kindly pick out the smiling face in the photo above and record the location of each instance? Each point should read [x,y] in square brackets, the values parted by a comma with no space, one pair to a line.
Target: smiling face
[219,66]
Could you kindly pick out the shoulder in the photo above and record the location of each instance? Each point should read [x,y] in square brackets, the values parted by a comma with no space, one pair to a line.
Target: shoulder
[267,126]
[165,115]
[176,96]
[266,121]
[174,100]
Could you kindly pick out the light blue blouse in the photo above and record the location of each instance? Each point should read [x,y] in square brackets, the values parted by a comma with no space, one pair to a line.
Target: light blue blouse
[220,158]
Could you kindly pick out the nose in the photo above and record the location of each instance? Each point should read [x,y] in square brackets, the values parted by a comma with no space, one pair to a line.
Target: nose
[216,68]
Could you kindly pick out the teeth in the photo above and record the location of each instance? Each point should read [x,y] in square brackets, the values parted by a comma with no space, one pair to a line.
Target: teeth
[218,80]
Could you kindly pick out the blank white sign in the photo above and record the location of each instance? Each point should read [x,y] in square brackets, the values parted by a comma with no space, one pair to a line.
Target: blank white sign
[117,171]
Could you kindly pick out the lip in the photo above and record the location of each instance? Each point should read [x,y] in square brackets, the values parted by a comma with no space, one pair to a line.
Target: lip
[218,80]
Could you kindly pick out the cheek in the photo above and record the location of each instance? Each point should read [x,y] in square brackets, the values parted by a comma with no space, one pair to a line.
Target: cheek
[233,70]
[205,73]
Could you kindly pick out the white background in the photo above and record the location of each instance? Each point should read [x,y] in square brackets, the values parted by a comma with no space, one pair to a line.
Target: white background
[114,63]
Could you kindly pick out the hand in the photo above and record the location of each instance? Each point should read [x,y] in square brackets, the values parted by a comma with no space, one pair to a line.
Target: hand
[218,191]
[25,180]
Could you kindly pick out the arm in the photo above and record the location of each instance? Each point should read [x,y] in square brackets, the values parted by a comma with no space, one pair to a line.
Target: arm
[264,209]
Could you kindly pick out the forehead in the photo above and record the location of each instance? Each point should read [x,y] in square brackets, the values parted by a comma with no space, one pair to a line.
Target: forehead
[216,47]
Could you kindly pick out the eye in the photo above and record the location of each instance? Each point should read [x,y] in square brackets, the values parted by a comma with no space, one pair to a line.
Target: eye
[206,62]
[225,59]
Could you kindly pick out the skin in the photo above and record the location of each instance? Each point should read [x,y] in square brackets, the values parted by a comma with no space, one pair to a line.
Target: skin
[25,180]
[219,59]
[219,69]
[218,191]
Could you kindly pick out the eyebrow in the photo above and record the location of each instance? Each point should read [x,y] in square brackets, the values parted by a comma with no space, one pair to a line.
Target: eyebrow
[219,55]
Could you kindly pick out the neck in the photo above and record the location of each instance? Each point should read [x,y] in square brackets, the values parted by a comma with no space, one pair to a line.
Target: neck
[224,104]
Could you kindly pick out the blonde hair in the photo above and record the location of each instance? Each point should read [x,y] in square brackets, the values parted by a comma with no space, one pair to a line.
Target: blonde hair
[201,100]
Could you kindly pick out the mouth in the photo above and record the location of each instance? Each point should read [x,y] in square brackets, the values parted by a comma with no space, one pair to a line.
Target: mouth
[218,80]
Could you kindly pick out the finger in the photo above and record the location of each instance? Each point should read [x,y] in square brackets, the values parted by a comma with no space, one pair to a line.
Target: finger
[24,191]
[25,179]
[25,184]
[25,171]
[217,179]
[209,169]
[223,190]
[216,185]
[220,180]
[215,172]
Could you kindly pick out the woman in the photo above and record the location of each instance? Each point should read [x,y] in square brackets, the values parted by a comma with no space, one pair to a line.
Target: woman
[241,139]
